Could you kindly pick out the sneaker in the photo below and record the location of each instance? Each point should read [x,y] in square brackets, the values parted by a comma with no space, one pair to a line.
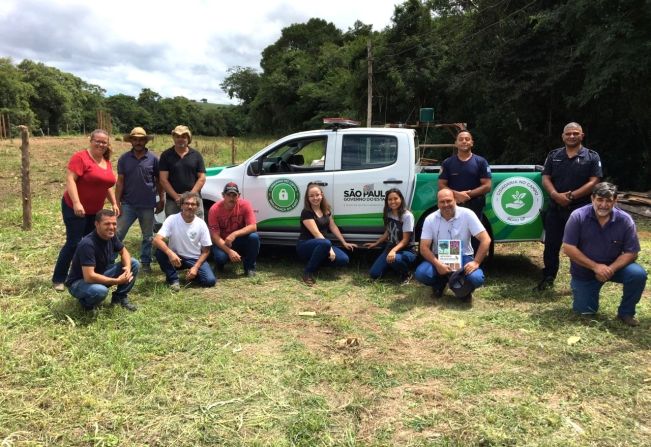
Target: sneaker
[437,292]
[124,302]
[175,287]
[145,268]
[405,279]
[59,286]
[546,283]
[466,299]
[250,273]
[308,280]
[628,320]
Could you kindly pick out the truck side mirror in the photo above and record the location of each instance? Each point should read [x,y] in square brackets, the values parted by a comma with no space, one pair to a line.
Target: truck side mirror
[255,167]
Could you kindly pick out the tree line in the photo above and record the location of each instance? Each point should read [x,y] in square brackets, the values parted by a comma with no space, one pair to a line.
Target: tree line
[515,70]
[53,102]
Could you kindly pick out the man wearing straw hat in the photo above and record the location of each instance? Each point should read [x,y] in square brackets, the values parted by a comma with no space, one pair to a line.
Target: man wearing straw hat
[182,169]
[136,189]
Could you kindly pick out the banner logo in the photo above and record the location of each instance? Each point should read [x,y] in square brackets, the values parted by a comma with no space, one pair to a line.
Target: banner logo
[517,201]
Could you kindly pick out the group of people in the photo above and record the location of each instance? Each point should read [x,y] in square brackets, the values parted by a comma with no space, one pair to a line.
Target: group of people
[581,219]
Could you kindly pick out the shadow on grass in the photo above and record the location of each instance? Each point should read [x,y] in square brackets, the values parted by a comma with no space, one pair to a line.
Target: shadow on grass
[68,311]
[513,277]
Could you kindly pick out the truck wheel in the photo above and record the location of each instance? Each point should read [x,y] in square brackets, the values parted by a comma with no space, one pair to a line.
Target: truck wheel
[206,207]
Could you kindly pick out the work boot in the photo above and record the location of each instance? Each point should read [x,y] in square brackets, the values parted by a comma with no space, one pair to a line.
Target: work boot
[124,302]
[546,283]
[628,320]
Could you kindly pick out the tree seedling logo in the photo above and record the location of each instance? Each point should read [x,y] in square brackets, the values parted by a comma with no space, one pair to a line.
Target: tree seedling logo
[283,195]
[517,201]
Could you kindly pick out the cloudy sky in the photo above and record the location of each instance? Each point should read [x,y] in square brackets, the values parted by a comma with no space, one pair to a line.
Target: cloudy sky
[173,47]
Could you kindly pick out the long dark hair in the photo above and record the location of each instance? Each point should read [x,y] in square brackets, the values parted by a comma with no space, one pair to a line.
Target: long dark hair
[325,206]
[387,210]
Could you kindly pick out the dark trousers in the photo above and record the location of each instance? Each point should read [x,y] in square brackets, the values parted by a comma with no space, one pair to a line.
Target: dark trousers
[476,205]
[554,224]
[76,228]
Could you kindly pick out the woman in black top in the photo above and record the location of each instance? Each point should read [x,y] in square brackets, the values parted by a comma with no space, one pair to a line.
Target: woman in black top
[312,245]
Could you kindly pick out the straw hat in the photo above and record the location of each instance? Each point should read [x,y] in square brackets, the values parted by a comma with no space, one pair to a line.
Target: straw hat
[137,132]
[183,130]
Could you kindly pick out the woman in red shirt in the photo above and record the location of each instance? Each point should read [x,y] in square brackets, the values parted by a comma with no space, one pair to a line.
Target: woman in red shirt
[89,181]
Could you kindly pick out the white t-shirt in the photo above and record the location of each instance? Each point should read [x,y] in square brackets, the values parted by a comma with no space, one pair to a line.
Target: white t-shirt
[186,239]
[462,226]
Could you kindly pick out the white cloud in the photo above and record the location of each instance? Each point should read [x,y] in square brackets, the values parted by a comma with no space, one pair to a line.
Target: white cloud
[174,48]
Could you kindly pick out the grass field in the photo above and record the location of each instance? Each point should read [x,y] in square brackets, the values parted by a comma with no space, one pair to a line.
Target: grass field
[377,364]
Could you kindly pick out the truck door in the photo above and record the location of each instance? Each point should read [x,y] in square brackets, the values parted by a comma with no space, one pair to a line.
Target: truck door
[283,175]
[368,164]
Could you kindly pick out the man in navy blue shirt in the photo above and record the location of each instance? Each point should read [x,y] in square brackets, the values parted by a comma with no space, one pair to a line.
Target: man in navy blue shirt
[602,244]
[92,272]
[468,176]
[569,175]
[136,189]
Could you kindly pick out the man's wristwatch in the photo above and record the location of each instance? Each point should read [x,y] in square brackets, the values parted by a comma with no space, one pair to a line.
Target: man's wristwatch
[570,196]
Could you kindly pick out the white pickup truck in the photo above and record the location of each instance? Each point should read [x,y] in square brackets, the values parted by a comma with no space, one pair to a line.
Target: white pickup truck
[355,166]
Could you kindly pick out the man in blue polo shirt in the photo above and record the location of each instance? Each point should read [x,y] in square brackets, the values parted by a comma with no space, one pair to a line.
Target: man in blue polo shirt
[136,189]
[602,244]
[93,272]
[569,175]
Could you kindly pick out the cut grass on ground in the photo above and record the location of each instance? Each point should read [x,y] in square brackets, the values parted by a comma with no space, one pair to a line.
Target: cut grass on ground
[238,365]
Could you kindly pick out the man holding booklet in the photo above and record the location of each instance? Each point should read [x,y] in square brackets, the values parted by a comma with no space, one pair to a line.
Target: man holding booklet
[445,245]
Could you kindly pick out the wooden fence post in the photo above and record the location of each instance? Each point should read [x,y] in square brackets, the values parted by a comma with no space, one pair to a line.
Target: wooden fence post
[233,150]
[26,186]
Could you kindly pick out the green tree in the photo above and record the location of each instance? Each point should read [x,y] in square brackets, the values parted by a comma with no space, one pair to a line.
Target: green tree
[15,94]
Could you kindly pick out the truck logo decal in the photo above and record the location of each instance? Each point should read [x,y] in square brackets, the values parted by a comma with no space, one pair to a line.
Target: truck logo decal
[367,193]
[517,201]
[283,195]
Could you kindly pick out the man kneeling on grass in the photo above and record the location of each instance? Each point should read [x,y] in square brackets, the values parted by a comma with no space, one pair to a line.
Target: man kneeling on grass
[602,244]
[92,272]
[188,245]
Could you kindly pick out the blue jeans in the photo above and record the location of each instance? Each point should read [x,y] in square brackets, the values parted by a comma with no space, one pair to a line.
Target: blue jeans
[404,259]
[247,246]
[426,273]
[90,295]
[586,292]
[316,252]
[145,217]
[205,276]
[76,228]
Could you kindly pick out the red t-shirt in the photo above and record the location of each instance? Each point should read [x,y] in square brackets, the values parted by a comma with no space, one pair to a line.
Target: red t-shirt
[224,222]
[92,181]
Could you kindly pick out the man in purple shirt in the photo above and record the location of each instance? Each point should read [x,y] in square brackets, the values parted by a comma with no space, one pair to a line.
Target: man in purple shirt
[601,242]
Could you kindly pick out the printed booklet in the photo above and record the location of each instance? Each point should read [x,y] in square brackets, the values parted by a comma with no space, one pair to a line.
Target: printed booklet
[449,251]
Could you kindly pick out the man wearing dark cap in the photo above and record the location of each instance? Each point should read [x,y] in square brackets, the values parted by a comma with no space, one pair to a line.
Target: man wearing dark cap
[569,175]
[233,229]
[182,169]
[602,244]
[136,189]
